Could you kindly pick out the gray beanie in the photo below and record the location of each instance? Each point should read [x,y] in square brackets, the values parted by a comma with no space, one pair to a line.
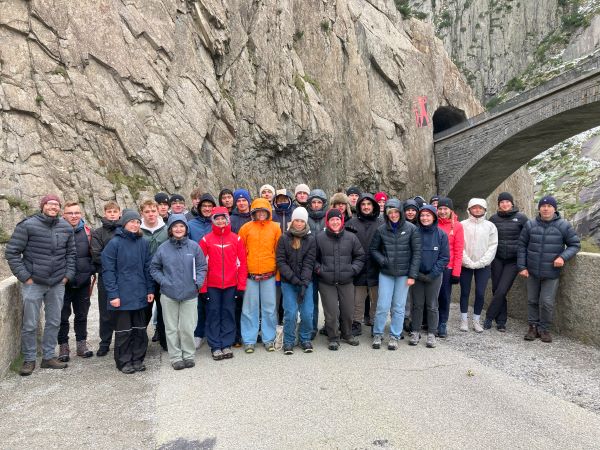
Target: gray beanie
[129,215]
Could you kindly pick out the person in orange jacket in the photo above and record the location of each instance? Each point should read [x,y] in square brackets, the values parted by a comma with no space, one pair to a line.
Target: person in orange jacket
[260,237]
[225,280]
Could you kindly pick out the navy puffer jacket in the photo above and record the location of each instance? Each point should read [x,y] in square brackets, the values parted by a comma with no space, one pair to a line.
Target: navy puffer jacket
[398,252]
[42,248]
[509,225]
[435,250]
[541,242]
[126,270]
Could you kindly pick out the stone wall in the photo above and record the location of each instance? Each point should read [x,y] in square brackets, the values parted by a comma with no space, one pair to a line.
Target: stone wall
[11,313]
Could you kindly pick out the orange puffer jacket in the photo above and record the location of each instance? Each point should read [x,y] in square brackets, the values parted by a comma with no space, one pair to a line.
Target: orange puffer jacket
[260,238]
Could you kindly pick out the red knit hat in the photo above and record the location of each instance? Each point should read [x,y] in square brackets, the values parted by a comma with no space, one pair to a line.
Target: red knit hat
[381,196]
[48,198]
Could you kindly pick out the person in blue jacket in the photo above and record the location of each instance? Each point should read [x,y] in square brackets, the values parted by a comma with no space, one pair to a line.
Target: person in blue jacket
[129,288]
[435,255]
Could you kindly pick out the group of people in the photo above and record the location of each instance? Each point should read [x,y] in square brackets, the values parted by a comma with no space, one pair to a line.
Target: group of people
[229,270]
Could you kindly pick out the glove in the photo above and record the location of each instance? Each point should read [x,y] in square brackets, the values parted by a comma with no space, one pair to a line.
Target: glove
[300,297]
[454,280]
[239,295]
[424,278]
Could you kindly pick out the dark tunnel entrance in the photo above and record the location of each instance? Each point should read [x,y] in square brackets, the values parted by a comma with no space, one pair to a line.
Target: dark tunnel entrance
[446,117]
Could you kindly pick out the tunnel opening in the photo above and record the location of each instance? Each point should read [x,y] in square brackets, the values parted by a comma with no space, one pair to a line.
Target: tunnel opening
[446,117]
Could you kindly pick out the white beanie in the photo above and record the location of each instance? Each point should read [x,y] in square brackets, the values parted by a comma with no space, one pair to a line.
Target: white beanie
[301,188]
[300,213]
[477,201]
[266,187]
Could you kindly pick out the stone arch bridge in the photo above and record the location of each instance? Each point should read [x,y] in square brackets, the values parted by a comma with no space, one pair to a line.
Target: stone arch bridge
[474,156]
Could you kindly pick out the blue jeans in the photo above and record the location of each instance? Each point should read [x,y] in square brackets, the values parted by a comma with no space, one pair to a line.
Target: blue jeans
[392,298]
[33,297]
[291,308]
[482,276]
[315,299]
[259,303]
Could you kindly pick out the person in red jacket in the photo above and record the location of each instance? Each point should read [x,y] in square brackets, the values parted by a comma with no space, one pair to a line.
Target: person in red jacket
[225,279]
[448,222]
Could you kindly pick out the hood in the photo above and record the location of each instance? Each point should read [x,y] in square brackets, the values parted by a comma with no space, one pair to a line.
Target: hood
[285,206]
[394,203]
[478,201]
[320,194]
[221,211]
[376,208]
[261,204]
[410,203]
[176,218]
[435,217]
[206,197]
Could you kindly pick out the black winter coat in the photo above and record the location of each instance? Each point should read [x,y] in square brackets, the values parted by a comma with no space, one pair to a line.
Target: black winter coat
[42,248]
[316,220]
[541,242]
[340,257]
[398,254]
[238,219]
[85,267]
[296,266]
[100,237]
[509,226]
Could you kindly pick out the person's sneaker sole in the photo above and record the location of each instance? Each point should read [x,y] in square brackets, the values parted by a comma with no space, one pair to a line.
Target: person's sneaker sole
[308,350]
[64,358]
[249,350]
[288,352]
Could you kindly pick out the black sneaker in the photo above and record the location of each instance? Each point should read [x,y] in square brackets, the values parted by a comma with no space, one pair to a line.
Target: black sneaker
[102,351]
[288,349]
[356,329]
[139,366]
[323,331]
[334,345]
[501,328]
[188,363]
[128,369]
[178,365]
[487,324]
[352,340]
[306,347]
[156,335]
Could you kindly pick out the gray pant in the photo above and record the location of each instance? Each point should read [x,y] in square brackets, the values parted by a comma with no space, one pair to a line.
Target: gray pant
[360,295]
[425,294]
[180,319]
[540,301]
[338,303]
[33,297]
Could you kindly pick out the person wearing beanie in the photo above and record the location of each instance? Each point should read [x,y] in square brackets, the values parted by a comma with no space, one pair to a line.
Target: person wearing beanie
[226,199]
[225,283]
[129,287]
[396,247]
[177,204]
[341,202]
[449,223]
[241,212]
[420,201]
[267,191]
[42,255]
[411,209]
[481,242]
[283,206]
[179,267]
[364,224]
[296,253]
[381,198]
[340,257]
[435,255]
[301,194]
[260,238]
[434,200]
[162,199]
[545,244]
[353,193]
[201,224]
[509,223]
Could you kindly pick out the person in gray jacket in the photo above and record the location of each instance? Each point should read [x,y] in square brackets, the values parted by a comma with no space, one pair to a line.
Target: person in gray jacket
[179,267]
[546,242]
[41,254]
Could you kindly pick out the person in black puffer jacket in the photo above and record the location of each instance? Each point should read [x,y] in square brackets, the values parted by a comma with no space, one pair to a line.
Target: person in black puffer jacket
[509,223]
[546,242]
[364,224]
[396,247]
[340,257]
[317,207]
[296,253]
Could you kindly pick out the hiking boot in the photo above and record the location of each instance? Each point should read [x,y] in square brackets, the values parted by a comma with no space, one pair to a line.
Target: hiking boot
[477,326]
[53,363]
[249,348]
[227,353]
[376,342]
[288,349]
[156,335]
[487,324]
[442,330]
[414,338]
[269,346]
[464,325]
[532,333]
[430,343]
[128,369]
[64,352]
[351,340]
[356,329]
[393,343]
[306,347]
[83,351]
[407,325]
[545,336]
[27,368]
[139,366]
[102,351]
[333,345]
[188,363]
[178,365]
[501,328]
[217,355]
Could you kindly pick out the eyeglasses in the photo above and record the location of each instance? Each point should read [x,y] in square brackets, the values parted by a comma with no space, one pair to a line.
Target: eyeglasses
[53,203]
[72,214]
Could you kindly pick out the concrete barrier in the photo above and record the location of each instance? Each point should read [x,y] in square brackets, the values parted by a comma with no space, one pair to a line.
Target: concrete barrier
[11,316]
[577,311]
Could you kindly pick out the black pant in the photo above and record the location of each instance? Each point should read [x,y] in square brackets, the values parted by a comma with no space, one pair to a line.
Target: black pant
[338,306]
[131,338]
[239,302]
[76,300]
[106,316]
[160,323]
[504,273]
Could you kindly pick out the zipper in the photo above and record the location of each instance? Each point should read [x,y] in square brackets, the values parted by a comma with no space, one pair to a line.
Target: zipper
[222,263]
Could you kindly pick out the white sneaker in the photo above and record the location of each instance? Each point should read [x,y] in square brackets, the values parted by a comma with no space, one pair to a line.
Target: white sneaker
[198,341]
[477,326]
[464,325]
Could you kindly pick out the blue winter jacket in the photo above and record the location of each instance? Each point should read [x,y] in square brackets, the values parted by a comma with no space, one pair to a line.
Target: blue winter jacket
[126,270]
[435,250]
[179,266]
[198,227]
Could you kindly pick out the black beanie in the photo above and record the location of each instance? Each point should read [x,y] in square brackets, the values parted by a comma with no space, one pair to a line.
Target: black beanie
[334,212]
[161,197]
[505,196]
[445,201]
[353,190]
[176,198]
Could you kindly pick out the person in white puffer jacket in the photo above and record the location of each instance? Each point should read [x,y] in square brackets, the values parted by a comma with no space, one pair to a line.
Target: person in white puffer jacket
[481,242]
